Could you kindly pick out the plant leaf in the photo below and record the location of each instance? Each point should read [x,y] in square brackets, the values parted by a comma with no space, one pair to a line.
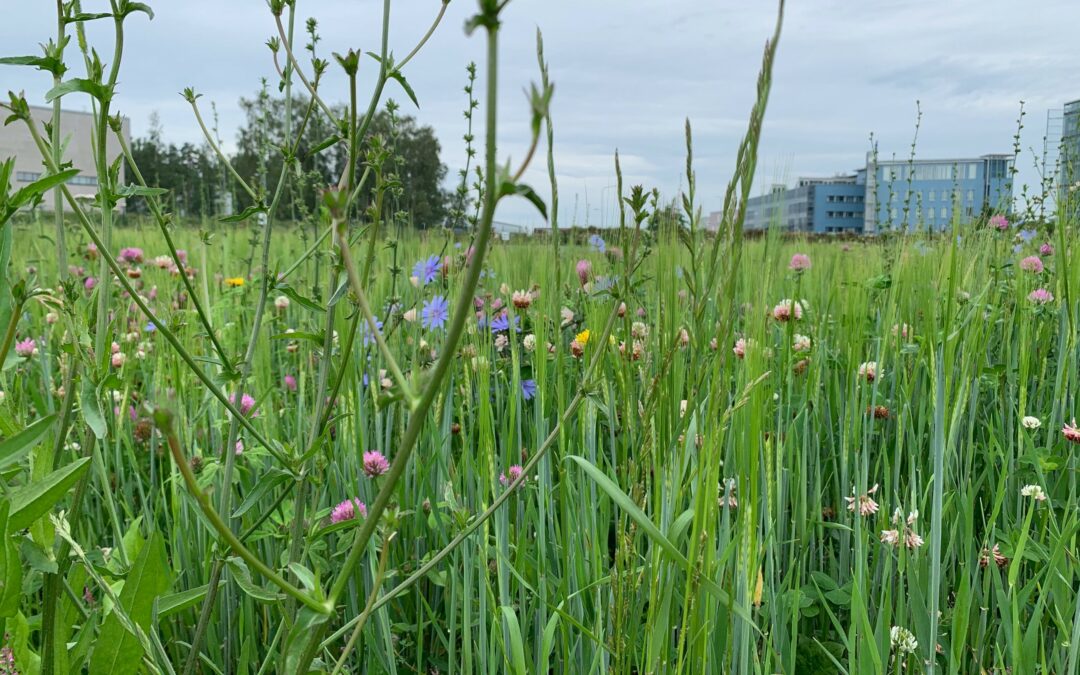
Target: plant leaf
[12,449]
[30,502]
[95,89]
[10,567]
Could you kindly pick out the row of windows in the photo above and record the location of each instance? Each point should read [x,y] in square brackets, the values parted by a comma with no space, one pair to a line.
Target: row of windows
[843,214]
[31,176]
[928,213]
[932,195]
[844,199]
[932,171]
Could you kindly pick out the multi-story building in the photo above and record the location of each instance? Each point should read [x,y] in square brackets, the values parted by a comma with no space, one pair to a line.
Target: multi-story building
[818,205]
[936,193]
[77,129]
[1069,160]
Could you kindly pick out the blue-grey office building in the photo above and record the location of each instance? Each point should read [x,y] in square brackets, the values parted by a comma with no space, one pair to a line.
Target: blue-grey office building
[932,194]
[928,194]
[1069,159]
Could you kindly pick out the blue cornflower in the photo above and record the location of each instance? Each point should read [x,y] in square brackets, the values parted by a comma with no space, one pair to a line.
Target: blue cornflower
[597,243]
[528,389]
[150,327]
[1027,235]
[426,270]
[365,330]
[435,313]
[501,322]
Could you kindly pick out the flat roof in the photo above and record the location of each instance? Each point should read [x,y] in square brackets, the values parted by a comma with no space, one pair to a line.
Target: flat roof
[951,160]
[68,111]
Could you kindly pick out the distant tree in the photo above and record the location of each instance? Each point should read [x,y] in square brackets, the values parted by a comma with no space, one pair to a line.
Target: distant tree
[414,159]
[189,172]
[669,216]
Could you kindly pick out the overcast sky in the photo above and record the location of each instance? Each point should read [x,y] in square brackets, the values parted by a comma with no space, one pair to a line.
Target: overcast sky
[627,73]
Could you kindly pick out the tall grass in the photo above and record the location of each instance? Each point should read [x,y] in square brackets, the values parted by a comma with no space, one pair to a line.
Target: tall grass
[666,492]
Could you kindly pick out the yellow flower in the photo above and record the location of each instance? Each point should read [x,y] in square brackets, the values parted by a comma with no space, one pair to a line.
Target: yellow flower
[234,282]
[583,337]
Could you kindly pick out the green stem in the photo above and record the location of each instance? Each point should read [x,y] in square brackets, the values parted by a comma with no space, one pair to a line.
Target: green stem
[9,334]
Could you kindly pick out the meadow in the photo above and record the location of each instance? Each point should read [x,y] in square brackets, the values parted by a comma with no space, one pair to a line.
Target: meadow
[345,446]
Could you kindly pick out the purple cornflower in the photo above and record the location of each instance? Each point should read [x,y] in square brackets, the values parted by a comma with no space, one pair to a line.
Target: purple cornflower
[597,243]
[347,510]
[502,322]
[1027,235]
[528,389]
[365,329]
[435,313]
[426,270]
[375,464]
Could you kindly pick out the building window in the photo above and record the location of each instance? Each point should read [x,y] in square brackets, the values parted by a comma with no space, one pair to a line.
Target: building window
[971,169]
[892,214]
[970,196]
[931,196]
[26,176]
[944,213]
[84,180]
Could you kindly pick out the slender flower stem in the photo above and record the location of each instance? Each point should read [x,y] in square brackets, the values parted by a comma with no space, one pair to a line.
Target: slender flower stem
[163,420]
[221,155]
[12,328]
[380,574]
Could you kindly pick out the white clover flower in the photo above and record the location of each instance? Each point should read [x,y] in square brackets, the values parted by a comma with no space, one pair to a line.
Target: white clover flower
[1030,422]
[902,640]
[1033,491]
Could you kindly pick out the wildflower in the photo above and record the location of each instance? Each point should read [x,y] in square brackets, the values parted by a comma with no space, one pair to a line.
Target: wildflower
[787,309]
[799,262]
[1030,422]
[879,412]
[583,337]
[347,510]
[1032,263]
[238,448]
[995,553]
[375,464]
[901,330]
[134,273]
[529,342]
[567,316]
[800,366]
[1046,249]
[162,262]
[639,331]
[1033,491]
[510,475]
[1040,296]
[234,282]
[584,271]
[891,537]
[597,243]
[128,255]
[281,303]
[622,310]
[801,343]
[290,383]
[740,348]
[118,359]
[577,349]
[51,318]
[246,403]
[26,348]
[435,313]
[912,540]
[999,221]
[870,371]
[426,270]
[365,330]
[728,499]
[684,337]
[521,299]
[502,322]
[528,389]
[1071,432]
[902,640]
[409,315]
[501,342]
[91,251]
[864,503]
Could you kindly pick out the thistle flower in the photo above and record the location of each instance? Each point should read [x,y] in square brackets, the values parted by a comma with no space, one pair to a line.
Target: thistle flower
[510,475]
[799,262]
[347,510]
[26,348]
[787,309]
[865,504]
[1071,432]
[1032,263]
[375,464]
[1041,296]
[281,303]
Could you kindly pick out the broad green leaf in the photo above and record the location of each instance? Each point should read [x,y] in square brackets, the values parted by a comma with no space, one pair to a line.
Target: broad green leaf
[41,186]
[10,568]
[167,605]
[296,640]
[396,75]
[46,63]
[94,89]
[509,188]
[30,502]
[139,191]
[12,449]
[243,215]
[240,572]
[90,406]
[517,648]
[263,487]
[117,651]
[307,303]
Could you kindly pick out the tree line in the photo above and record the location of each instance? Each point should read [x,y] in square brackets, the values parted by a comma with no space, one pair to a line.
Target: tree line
[199,184]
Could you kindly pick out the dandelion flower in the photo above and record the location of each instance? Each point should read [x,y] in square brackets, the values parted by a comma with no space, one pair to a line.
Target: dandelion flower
[234,282]
[583,337]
